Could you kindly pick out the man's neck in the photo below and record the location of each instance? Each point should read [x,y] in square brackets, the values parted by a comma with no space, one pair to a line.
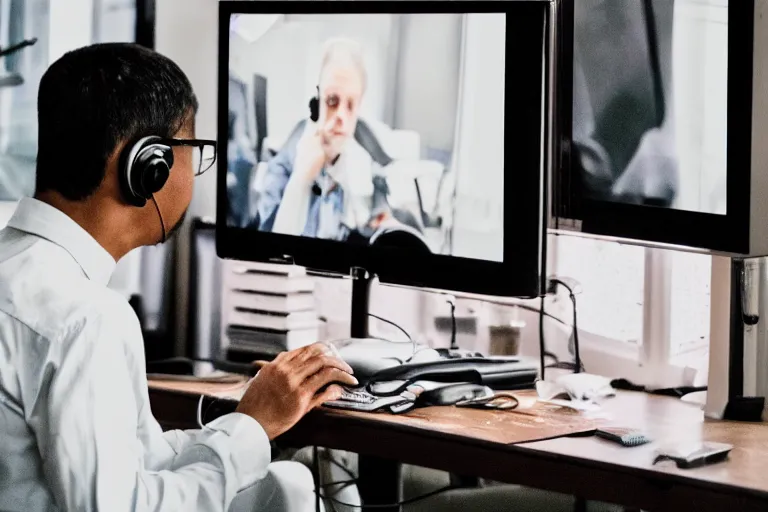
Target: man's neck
[100,219]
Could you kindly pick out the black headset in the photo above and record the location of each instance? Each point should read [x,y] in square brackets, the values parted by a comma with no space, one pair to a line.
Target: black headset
[314,106]
[144,169]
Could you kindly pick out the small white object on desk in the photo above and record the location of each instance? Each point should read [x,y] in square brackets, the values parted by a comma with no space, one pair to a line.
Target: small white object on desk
[580,391]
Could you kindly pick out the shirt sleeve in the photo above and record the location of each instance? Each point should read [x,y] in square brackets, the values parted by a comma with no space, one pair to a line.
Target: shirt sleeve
[291,216]
[276,178]
[94,459]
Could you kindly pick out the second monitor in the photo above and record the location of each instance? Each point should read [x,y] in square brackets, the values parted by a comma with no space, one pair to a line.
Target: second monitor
[412,144]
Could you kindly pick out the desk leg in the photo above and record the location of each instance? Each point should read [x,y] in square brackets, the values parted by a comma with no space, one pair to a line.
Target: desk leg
[380,482]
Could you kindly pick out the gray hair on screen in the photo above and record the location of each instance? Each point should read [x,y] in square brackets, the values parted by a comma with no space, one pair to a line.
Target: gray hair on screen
[342,51]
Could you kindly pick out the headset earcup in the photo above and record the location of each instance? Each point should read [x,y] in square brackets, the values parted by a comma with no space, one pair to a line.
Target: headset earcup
[154,177]
[144,170]
[314,109]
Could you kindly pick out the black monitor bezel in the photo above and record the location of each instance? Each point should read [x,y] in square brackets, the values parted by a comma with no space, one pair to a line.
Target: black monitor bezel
[520,274]
[729,233]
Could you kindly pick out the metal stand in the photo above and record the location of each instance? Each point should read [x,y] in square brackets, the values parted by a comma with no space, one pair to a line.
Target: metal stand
[379,480]
[739,407]
[726,386]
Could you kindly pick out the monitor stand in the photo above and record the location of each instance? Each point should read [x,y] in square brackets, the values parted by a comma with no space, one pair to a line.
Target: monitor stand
[362,283]
[380,480]
[365,353]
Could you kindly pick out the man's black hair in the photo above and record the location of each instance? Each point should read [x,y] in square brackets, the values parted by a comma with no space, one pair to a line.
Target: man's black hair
[94,98]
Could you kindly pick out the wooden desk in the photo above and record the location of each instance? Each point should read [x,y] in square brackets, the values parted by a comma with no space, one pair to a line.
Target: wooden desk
[586,467]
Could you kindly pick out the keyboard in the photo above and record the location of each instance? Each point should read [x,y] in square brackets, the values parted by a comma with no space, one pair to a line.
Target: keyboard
[362,400]
[360,397]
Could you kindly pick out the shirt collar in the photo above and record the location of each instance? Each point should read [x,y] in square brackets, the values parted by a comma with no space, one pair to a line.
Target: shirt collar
[41,219]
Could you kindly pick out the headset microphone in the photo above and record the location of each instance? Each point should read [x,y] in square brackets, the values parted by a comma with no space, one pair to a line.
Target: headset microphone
[314,106]
[162,222]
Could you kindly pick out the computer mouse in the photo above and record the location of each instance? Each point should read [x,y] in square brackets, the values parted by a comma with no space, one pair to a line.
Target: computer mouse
[346,388]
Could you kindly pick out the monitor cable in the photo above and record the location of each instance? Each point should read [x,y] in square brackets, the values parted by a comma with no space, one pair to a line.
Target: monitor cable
[543,352]
[398,327]
[542,342]
[341,484]
[454,342]
[577,367]
[679,392]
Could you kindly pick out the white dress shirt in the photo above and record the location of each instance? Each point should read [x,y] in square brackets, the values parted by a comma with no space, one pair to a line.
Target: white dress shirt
[76,430]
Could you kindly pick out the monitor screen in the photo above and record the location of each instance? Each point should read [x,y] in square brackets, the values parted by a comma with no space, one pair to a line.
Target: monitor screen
[370,129]
[408,139]
[650,102]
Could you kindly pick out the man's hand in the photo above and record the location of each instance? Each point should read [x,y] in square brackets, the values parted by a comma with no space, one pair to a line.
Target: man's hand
[311,154]
[286,389]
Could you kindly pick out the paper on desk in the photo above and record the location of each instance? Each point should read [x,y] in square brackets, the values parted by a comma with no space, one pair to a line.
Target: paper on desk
[577,386]
[580,391]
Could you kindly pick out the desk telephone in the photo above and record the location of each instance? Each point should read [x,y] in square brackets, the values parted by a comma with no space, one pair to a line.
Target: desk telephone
[388,384]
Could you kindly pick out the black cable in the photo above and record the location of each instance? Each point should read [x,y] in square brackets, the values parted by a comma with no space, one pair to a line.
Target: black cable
[577,353]
[576,349]
[393,324]
[454,342]
[679,392]
[390,505]
[316,476]
[345,483]
[316,473]
[160,216]
[340,466]
[542,343]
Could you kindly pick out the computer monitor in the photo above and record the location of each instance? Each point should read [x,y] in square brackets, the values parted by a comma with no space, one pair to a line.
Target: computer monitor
[661,140]
[409,139]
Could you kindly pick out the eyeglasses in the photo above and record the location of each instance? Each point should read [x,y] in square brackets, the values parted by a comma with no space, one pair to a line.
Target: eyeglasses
[203,158]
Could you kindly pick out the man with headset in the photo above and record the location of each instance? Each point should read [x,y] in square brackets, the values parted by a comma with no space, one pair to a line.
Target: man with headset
[115,169]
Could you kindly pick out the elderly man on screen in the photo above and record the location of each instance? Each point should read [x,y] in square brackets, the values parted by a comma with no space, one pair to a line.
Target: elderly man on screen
[322,182]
